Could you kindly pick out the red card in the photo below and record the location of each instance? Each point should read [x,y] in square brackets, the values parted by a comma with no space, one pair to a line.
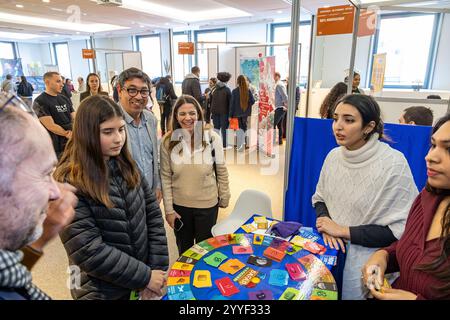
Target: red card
[179,273]
[314,247]
[274,254]
[242,250]
[226,287]
[295,271]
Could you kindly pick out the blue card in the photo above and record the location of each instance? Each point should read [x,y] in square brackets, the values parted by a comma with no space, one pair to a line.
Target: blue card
[309,235]
[219,297]
[267,241]
[328,260]
[278,277]
[182,296]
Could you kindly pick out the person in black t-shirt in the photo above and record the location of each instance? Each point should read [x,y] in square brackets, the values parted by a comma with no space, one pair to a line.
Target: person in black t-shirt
[55,111]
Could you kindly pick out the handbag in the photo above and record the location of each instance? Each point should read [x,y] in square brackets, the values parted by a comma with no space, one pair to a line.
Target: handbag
[234,124]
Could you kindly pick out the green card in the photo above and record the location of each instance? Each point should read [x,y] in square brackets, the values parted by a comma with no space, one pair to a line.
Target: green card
[290,294]
[215,259]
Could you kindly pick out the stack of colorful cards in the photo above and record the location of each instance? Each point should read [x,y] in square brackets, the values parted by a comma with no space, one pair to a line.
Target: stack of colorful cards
[261,222]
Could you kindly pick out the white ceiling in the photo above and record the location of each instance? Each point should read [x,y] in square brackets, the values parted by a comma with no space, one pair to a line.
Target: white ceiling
[67,19]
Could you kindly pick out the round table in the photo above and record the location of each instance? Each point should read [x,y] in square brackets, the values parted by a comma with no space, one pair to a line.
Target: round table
[249,267]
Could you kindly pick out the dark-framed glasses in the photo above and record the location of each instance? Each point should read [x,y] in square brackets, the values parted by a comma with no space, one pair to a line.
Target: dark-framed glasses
[133,92]
[9,100]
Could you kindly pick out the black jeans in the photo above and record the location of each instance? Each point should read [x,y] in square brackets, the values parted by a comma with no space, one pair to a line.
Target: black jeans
[197,224]
[278,122]
[165,117]
[221,126]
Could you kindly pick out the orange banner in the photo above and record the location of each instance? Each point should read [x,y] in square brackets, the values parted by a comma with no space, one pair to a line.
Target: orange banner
[88,53]
[367,23]
[335,20]
[185,48]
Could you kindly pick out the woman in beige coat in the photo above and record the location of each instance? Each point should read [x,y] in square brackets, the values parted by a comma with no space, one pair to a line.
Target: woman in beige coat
[194,184]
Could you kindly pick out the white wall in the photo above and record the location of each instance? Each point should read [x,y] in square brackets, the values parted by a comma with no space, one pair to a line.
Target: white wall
[165,51]
[31,53]
[332,58]
[441,79]
[79,66]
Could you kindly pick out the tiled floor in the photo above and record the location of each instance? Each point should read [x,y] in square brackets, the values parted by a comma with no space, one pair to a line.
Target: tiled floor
[51,275]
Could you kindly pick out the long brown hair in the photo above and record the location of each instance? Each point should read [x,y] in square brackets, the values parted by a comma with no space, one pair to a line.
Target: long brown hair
[174,124]
[82,163]
[88,88]
[434,266]
[243,92]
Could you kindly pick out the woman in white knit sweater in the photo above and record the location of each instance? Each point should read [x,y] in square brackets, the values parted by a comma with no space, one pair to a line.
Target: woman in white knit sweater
[365,189]
[194,185]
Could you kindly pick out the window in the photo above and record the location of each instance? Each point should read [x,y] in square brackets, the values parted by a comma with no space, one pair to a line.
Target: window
[215,35]
[408,58]
[181,61]
[150,47]
[281,33]
[6,52]
[62,59]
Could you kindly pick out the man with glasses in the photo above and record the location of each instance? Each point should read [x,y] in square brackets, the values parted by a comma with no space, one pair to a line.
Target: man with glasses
[33,207]
[55,111]
[134,86]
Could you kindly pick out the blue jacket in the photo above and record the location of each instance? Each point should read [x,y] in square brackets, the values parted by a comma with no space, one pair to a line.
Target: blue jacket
[235,104]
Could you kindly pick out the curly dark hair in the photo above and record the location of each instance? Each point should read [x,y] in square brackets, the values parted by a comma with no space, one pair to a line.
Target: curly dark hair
[328,104]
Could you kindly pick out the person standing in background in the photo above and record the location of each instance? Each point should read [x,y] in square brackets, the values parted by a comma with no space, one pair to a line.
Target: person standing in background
[207,104]
[25,91]
[81,85]
[55,111]
[8,85]
[241,107]
[281,101]
[165,95]
[220,97]
[93,87]
[191,85]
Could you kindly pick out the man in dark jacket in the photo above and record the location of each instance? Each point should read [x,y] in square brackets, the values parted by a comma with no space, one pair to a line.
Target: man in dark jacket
[191,85]
[166,96]
[32,205]
[220,105]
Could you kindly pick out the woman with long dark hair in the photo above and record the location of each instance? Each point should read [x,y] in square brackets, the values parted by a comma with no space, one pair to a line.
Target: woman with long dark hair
[193,174]
[422,255]
[364,191]
[241,107]
[93,87]
[117,238]
[337,92]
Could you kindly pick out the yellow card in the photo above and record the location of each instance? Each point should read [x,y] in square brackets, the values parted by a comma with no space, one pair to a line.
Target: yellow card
[173,281]
[249,228]
[299,241]
[182,266]
[202,279]
[232,266]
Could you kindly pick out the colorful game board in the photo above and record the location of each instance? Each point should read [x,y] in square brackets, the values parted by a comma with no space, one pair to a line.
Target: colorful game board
[249,266]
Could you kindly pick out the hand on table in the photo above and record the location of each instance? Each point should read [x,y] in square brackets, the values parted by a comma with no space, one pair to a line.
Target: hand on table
[334,242]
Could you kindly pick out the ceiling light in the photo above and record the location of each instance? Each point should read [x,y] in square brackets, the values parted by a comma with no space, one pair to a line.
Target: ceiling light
[18,36]
[58,24]
[183,15]
[19,5]
[279,11]
[46,1]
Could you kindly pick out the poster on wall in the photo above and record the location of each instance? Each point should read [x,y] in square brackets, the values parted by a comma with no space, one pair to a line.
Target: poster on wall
[250,69]
[12,67]
[266,105]
[378,71]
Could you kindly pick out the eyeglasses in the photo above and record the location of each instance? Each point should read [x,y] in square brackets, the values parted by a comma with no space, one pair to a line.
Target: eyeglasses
[133,92]
[8,100]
